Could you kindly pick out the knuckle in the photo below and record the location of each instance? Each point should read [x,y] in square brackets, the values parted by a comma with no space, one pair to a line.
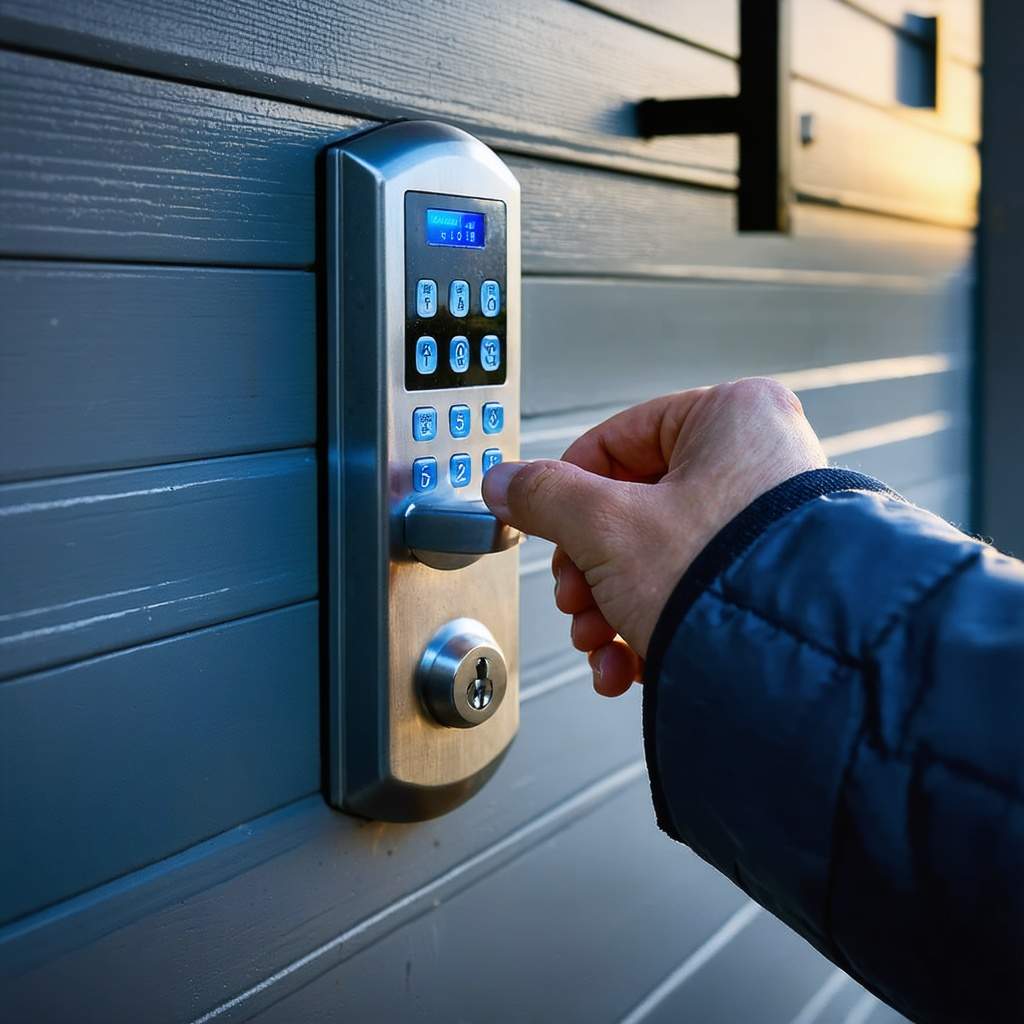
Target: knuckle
[759,392]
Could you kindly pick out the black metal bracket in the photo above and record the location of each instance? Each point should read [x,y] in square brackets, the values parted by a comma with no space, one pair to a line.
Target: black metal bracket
[759,115]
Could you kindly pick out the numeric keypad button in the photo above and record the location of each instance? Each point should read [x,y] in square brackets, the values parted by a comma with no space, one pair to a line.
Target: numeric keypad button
[491,457]
[458,353]
[426,298]
[426,355]
[458,298]
[490,298]
[459,420]
[493,414]
[424,474]
[490,352]
[460,469]
[424,424]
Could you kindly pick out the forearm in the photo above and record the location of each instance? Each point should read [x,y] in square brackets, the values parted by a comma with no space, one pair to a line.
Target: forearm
[792,725]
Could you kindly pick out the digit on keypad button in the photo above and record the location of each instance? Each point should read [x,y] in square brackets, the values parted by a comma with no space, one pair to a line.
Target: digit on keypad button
[493,417]
[458,353]
[490,298]
[458,298]
[426,298]
[424,424]
[424,474]
[459,420]
[490,352]
[492,456]
[460,469]
[426,355]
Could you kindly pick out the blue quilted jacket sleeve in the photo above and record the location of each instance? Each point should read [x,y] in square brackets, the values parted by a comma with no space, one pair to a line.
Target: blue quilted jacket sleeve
[834,718]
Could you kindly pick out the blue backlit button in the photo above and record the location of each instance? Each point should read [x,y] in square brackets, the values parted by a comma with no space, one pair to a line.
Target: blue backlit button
[424,474]
[426,298]
[458,353]
[494,418]
[490,298]
[458,298]
[491,458]
[490,352]
[426,355]
[461,469]
[459,420]
[424,424]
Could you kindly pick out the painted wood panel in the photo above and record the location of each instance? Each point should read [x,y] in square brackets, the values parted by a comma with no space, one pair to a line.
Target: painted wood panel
[528,943]
[190,934]
[110,366]
[554,77]
[873,64]
[111,763]
[100,165]
[765,973]
[212,177]
[713,24]
[656,336]
[98,562]
[864,158]
[961,21]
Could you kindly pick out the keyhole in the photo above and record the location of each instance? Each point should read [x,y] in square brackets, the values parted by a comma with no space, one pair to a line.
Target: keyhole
[481,689]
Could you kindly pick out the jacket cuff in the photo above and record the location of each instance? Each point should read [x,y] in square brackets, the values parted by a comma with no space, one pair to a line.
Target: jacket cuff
[728,545]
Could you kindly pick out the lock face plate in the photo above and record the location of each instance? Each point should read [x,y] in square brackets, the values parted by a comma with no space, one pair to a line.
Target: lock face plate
[421,242]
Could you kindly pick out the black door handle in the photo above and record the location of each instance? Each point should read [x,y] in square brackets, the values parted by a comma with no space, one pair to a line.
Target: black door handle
[758,114]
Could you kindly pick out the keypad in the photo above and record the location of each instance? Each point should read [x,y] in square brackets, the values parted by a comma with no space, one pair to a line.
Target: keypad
[493,414]
[460,469]
[455,293]
[491,457]
[459,421]
[424,424]
[424,474]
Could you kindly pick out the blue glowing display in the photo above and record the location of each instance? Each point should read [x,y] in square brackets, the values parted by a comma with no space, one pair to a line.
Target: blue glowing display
[458,228]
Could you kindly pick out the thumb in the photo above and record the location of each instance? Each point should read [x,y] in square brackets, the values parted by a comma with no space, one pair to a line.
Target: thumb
[555,500]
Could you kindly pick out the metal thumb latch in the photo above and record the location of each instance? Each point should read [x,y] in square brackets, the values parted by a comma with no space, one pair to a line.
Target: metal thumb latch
[455,535]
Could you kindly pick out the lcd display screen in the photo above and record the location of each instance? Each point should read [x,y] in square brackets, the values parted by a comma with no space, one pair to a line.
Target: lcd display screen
[458,228]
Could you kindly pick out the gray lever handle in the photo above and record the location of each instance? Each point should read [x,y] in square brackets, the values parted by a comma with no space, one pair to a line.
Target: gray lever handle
[454,535]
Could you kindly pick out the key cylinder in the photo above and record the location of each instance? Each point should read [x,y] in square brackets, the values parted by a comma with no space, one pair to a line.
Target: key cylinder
[462,674]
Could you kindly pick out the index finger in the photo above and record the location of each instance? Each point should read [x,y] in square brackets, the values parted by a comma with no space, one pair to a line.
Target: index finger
[635,444]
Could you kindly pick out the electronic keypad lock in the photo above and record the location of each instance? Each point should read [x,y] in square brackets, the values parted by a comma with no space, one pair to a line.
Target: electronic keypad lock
[422,290]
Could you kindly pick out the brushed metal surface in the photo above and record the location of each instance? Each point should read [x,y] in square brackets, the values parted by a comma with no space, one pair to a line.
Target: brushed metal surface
[389,758]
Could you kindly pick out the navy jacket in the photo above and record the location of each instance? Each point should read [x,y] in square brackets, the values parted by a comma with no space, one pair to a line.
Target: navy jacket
[834,718]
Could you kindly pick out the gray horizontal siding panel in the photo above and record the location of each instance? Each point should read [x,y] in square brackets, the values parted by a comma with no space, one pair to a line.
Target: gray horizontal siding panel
[112,763]
[553,77]
[767,973]
[590,342]
[190,933]
[574,930]
[104,367]
[708,23]
[919,460]
[948,497]
[106,165]
[93,563]
[100,165]
[865,158]
[585,220]
[872,64]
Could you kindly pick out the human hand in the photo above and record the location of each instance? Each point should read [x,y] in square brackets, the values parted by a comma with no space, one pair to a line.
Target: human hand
[637,498]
